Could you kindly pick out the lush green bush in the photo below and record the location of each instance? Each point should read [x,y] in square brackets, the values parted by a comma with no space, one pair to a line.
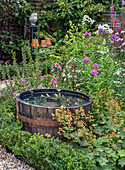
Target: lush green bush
[36,150]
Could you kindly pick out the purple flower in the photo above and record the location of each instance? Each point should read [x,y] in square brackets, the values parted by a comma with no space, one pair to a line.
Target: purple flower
[104,31]
[123,41]
[85,59]
[119,30]
[0,94]
[115,21]
[113,37]
[101,30]
[112,9]
[95,65]
[87,33]
[94,72]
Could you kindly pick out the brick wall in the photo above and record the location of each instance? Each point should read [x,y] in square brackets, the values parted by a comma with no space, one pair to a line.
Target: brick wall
[14,28]
[37,4]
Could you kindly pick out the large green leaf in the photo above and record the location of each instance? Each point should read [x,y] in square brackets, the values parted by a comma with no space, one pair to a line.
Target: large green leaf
[122,162]
[121,153]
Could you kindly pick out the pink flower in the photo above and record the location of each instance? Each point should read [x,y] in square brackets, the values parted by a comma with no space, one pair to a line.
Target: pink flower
[0,94]
[112,16]
[40,71]
[59,67]
[94,72]
[23,80]
[87,33]
[55,64]
[52,69]
[85,59]
[14,93]
[41,77]
[112,9]
[56,78]
[115,21]
[49,83]
[95,65]
[34,75]
[55,82]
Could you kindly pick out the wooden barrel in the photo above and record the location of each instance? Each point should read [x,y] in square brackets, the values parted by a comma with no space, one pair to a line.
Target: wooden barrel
[37,118]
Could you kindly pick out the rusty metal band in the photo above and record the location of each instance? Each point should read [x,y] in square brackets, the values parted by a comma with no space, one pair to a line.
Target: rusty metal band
[46,123]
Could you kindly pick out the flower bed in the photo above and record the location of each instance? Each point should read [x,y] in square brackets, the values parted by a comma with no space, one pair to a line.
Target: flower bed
[87,62]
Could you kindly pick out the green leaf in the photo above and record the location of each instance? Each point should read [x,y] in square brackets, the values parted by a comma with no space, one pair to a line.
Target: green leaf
[121,153]
[102,161]
[122,161]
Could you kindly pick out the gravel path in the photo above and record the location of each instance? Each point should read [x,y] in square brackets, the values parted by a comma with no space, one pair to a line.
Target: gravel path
[9,162]
[2,85]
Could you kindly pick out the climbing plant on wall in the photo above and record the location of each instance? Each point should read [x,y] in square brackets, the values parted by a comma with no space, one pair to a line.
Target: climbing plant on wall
[55,16]
[12,12]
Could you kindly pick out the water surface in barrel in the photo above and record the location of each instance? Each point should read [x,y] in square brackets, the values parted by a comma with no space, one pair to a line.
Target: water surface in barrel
[55,99]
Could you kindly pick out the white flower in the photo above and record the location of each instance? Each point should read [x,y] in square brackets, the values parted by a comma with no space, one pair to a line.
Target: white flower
[117,82]
[63,75]
[101,52]
[88,19]
[105,27]
[123,31]
[78,71]
[118,72]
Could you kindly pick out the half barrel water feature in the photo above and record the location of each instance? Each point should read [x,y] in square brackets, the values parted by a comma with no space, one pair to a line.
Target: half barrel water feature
[35,108]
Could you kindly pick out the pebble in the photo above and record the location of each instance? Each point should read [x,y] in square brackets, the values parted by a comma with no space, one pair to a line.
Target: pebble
[8,161]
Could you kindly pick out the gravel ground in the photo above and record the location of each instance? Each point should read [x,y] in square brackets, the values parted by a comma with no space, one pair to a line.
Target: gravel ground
[2,85]
[9,162]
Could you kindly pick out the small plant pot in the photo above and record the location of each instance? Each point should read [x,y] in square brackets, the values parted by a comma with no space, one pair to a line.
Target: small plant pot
[48,41]
[43,43]
[34,43]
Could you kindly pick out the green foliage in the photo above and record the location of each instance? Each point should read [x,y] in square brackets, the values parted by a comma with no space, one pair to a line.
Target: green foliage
[103,140]
[12,43]
[36,150]
[13,11]
[55,17]
[101,145]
